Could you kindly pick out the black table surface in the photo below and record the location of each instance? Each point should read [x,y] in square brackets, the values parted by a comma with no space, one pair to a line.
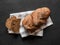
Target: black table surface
[51,34]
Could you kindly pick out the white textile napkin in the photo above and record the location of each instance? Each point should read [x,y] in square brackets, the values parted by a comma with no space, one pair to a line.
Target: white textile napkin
[22,31]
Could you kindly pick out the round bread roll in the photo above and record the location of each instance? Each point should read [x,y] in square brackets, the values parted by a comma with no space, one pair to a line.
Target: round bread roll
[13,24]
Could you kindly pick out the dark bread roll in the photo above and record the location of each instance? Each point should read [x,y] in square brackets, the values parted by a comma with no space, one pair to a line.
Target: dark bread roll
[13,24]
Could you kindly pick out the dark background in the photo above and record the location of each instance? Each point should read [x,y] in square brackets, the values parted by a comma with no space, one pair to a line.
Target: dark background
[51,34]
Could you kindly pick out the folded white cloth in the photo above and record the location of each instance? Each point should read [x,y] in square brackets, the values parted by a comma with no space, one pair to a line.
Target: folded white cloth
[22,31]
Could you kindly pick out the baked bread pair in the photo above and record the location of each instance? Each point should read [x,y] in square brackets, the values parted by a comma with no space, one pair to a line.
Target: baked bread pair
[31,22]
